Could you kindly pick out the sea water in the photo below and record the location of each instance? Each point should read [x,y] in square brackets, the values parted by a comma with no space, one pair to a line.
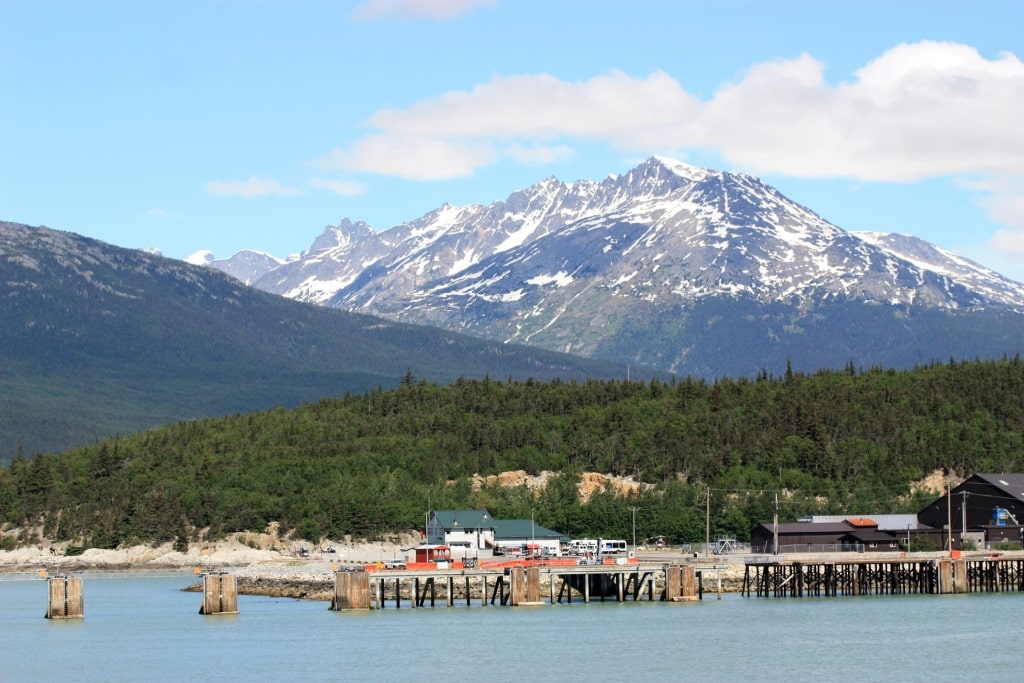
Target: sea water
[148,629]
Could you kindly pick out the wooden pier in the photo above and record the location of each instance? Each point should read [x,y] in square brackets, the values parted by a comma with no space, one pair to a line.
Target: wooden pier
[518,586]
[766,578]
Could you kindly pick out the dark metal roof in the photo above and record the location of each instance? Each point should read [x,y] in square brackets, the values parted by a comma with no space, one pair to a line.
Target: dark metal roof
[1012,483]
[810,528]
[871,535]
[464,519]
[521,528]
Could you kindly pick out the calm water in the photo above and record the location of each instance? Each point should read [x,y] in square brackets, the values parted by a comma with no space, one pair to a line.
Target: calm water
[138,629]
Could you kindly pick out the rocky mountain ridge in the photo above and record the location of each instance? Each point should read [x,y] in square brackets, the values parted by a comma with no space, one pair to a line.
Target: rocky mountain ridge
[583,267]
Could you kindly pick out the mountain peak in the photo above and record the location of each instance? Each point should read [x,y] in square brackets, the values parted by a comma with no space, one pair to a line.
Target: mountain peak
[203,257]
[681,168]
[344,233]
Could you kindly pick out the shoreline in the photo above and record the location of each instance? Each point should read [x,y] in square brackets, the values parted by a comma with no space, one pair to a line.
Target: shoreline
[266,572]
[274,573]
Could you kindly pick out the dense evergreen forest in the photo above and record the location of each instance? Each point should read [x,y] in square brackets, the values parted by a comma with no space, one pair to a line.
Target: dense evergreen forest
[369,465]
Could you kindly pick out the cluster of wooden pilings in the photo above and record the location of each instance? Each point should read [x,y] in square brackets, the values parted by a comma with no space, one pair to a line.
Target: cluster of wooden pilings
[66,600]
[515,586]
[220,594]
[883,577]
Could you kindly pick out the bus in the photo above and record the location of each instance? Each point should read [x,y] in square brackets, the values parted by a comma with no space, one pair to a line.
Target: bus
[609,547]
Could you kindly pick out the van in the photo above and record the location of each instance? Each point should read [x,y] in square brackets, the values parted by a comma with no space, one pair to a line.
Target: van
[582,547]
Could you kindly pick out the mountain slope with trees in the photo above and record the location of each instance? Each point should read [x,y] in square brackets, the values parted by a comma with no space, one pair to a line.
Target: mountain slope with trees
[366,465]
[96,340]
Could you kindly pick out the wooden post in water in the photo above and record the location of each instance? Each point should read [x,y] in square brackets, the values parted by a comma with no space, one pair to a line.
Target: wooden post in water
[220,594]
[351,591]
[960,576]
[533,586]
[517,586]
[65,598]
[945,577]
[672,582]
[688,588]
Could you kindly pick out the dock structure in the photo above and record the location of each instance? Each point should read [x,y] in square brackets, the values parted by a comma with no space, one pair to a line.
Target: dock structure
[66,601]
[220,594]
[937,576]
[523,585]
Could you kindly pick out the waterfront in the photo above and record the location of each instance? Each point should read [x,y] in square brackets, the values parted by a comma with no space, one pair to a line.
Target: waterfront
[140,628]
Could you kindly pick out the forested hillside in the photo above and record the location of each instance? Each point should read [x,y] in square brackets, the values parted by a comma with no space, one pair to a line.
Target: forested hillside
[839,441]
[96,340]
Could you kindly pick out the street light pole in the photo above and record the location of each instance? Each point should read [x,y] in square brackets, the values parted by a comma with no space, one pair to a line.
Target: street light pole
[633,510]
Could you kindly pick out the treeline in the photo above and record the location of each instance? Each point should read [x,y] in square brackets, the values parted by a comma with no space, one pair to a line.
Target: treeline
[829,442]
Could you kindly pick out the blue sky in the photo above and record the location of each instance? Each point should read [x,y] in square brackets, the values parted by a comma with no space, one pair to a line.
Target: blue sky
[234,124]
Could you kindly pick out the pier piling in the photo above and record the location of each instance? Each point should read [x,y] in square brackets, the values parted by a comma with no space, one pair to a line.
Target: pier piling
[66,600]
[351,591]
[220,594]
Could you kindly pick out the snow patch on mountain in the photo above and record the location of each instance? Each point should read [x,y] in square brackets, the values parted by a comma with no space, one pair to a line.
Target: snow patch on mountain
[561,279]
[203,257]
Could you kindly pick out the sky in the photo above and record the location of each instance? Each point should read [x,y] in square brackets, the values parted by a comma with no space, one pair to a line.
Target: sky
[253,124]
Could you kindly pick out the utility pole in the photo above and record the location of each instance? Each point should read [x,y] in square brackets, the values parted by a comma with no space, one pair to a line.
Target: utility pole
[707,524]
[963,524]
[775,526]
[949,515]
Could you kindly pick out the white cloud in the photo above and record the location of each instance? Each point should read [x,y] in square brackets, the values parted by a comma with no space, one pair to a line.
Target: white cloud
[539,154]
[412,158]
[1005,199]
[253,187]
[615,107]
[917,111]
[1008,242]
[158,213]
[346,188]
[372,10]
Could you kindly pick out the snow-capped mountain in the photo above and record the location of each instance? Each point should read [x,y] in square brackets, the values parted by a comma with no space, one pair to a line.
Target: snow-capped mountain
[246,265]
[663,265]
